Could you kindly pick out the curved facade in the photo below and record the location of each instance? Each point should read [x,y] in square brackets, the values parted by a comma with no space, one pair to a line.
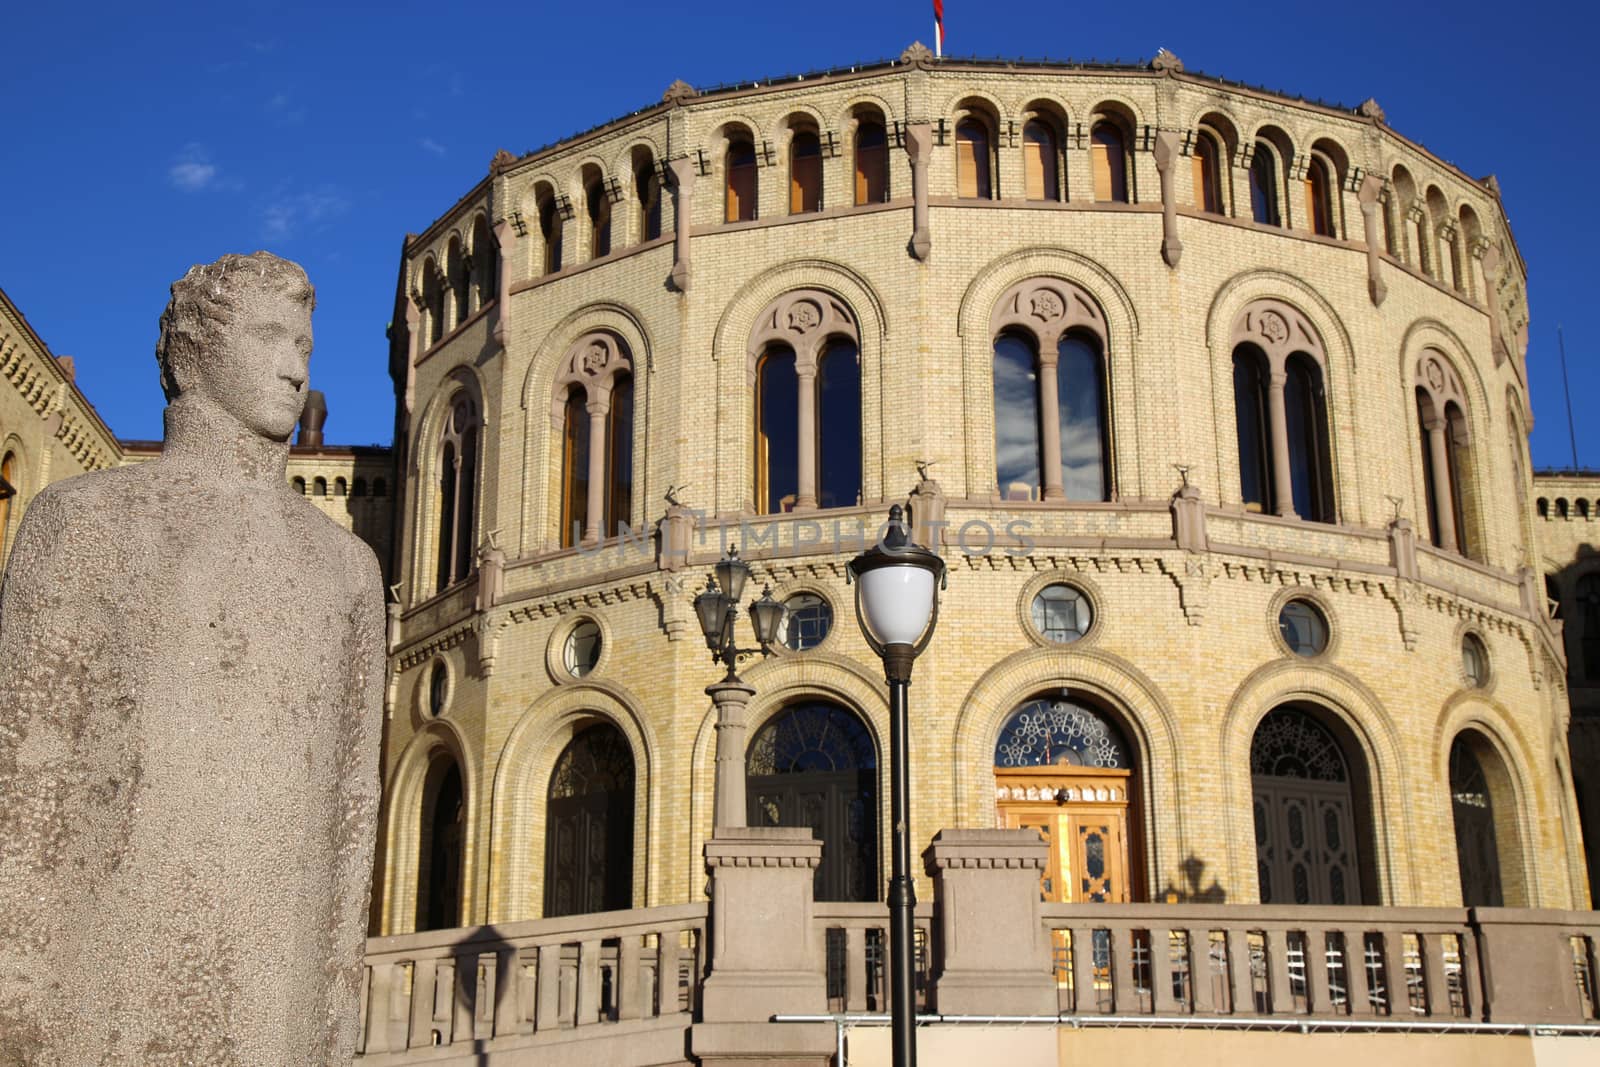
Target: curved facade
[1214,401]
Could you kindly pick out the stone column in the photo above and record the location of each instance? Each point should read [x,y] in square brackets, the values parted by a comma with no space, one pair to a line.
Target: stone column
[1282,484]
[919,145]
[731,697]
[505,236]
[682,171]
[806,386]
[1050,426]
[1443,501]
[1371,188]
[996,953]
[594,529]
[1167,153]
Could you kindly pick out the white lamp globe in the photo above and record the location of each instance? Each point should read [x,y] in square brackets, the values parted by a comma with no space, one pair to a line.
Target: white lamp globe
[896,603]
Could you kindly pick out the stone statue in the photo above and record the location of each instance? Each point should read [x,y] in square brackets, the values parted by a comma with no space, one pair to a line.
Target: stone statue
[191,674]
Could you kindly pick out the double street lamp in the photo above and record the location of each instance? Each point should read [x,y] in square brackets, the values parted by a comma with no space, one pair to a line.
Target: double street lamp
[897,605]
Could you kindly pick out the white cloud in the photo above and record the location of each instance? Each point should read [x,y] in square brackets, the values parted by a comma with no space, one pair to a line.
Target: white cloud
[432,146]
[290,214]
[194,170]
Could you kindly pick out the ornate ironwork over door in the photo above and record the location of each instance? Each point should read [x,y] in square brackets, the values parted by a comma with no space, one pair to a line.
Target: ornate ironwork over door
[815,765]
[588,851]
[1306,851]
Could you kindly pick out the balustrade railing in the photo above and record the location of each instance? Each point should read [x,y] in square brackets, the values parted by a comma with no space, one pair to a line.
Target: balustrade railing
[855,947]
[476,984]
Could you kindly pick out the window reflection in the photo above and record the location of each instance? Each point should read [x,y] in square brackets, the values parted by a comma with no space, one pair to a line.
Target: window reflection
[574,468]
[1080,404]
[972,160]
[839,426]
[777,432]
[1016,419]
[1250,412]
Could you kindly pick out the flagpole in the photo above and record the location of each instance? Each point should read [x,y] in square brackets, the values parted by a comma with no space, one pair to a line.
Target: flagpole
[938,40]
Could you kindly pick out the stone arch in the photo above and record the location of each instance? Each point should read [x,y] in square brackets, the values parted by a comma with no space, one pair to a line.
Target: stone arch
[622,158]
[1438,372]
[803,319]
[437,739]
[1144,714]
[522,779]
[1344,698]
[847,112]
[1096,294]
[425,458]
[736,333]
[1514,805]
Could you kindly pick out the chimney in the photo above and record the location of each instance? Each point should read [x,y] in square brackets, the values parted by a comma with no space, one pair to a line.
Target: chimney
[312,419]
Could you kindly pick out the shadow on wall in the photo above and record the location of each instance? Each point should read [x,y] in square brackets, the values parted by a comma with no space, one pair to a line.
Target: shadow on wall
[1574,591]
[1194,869]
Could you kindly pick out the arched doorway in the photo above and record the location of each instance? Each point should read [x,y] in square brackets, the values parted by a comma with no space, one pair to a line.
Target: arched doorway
[1305,811]
[443,827]
[1479,788]
[1063,768]
[588,847]
[814,764]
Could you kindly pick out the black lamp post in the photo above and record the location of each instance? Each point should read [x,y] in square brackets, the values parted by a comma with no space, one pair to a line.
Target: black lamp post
[897,605]
[717,607]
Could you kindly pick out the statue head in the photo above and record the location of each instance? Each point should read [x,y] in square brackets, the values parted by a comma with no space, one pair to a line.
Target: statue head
[237,335]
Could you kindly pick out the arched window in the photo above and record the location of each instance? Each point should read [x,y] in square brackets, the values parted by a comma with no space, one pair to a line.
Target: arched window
[458,478]
[973,160]
[379,488]
[1281,414]
[1305,812]
[1587,596]
[1064,769]
[439,851]
[460,282]
[647,194]
[1264,186]
[588,851]
[551,225]
[1109,162]
[805,172]
[1081,414]
[839,425]
[814,764]
[340,487]
[1319,198]
[1446,460]
[1041,161]
[1017,450]
[872,162]
[740,191]
[319,487]
[433,300]
[1476,855]
[593,405]
[1207,174]
[8,489]
[299,484]
[777,432]
[598,204]
[485,262]
[358,487]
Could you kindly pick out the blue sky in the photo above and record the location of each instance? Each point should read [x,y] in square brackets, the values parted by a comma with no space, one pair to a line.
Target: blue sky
[144,138]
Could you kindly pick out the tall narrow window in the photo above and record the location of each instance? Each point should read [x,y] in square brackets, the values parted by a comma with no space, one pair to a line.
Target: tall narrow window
[460,284]
[433,301]
[647,187]
[1477,856]
[972,160]
[458,466]
[1456,436]
[839,425]
[574,468]
[1207,175]
[777,432]
[1305,412]
[1081,410]
[589,846]
[8,489]
[485,262]
[1018,454]
[1264,187]
[1109,161]
[1390,243]
[1040,161]
[1319,198]
[1445,461]
[619,457]
[872,163]
[599,218]
[439,859]
[1250,413]
[550,224]
[740,194]
[805,172]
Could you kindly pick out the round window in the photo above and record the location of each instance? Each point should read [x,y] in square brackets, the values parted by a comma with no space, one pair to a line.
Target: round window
[1304,629]
[807,618]
[1061,613]
[582,651]
[1474,660]
[438,690]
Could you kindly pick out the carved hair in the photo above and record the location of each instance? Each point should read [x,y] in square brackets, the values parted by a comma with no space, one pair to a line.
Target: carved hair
[206,301]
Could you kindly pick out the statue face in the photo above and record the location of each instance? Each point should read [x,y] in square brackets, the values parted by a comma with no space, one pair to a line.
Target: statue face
[258,373]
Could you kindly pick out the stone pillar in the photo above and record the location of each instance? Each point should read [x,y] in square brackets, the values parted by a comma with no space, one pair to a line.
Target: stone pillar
[731,697]
[1282,484]
[682,171]
[1526,962]
[1371,189]
[996,953]
[594,530]
[1189,519]
[927,513]
[675,538]
[1443,501]
[1403,548]
[505,236]
[919,145]
[1167,153]
[806,386]
[1050,426]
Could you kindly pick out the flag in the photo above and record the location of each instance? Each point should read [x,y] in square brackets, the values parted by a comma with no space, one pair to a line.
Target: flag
[938,27]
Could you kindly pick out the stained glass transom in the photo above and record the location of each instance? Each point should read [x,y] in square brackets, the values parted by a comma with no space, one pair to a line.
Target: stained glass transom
[811,737]
[1291,744]
[598,760]
[1046,732]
